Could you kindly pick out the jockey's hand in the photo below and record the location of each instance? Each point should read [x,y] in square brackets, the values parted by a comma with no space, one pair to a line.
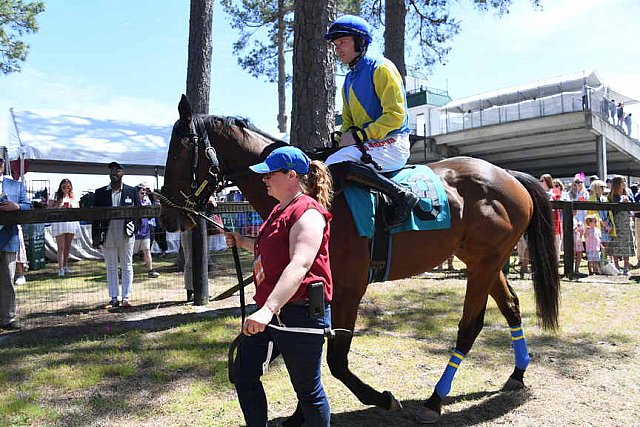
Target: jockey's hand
[257,322]
[347,139]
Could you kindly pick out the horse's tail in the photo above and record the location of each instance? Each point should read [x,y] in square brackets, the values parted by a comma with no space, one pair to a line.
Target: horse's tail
[542,249]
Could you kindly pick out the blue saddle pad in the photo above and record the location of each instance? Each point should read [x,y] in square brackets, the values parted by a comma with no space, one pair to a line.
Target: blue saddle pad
[422,181]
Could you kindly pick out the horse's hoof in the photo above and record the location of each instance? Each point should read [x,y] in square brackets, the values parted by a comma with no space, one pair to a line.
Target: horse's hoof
[513,384]
[425,415]
[394,404]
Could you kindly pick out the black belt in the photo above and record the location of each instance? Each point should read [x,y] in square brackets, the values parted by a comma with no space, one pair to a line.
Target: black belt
[299,302]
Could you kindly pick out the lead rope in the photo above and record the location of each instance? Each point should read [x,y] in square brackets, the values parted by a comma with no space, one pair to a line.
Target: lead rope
[236,258]
[328,332]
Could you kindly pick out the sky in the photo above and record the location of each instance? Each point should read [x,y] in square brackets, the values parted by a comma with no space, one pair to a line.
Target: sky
[126,60]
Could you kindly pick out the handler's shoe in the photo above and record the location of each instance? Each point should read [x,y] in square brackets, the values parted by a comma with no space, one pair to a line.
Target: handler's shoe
[113,304]
[153,274]
[20,280]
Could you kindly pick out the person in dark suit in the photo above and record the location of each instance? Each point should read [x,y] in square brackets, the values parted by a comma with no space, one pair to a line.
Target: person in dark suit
[116,236]
[12,198]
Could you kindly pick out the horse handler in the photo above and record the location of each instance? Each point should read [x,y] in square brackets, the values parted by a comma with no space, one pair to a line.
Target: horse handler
[293,283]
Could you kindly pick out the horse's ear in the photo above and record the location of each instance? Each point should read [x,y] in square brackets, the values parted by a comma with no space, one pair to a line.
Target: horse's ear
[184,108]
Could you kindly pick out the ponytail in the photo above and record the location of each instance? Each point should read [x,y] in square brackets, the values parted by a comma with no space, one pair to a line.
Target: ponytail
[318,183]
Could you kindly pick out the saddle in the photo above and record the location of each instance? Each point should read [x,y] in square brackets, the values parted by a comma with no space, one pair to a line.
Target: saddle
[369,210]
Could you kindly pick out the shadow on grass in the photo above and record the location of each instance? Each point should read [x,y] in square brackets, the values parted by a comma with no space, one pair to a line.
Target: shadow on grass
[71,333]
[486,407]
[118,360]
[430,315]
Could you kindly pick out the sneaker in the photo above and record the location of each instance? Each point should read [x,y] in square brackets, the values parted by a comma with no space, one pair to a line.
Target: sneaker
[61,272]
[153,273]
[114,303]
[66,269]
[20,280]
[125,303]
[189,296]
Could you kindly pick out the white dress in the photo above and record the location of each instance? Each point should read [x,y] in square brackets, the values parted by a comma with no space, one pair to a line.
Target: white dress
[71,227]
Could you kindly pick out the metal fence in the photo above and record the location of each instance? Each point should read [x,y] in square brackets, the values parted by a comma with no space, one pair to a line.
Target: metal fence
[46,299]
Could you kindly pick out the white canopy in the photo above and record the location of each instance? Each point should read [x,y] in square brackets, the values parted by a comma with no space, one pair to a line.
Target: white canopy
[73,144]
[534,90]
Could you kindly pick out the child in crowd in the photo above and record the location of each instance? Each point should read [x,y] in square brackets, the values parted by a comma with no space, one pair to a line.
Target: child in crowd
[593,243]
[578,245]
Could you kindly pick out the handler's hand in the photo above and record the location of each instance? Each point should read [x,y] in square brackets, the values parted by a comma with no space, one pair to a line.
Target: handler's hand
[257,322]
[347,139]
[232,238]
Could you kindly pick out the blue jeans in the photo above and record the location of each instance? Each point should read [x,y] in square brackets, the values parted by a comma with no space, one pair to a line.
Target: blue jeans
[302,354]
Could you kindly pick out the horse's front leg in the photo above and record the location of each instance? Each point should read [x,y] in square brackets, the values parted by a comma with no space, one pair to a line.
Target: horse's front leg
[344,313]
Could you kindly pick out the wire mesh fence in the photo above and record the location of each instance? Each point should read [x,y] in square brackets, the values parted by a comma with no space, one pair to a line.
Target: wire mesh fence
[46,299]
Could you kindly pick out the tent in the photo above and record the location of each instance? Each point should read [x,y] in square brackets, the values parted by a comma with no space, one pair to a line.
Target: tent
[82,145]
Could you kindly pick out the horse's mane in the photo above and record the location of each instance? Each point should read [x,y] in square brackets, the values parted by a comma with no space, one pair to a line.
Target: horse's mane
[242,123]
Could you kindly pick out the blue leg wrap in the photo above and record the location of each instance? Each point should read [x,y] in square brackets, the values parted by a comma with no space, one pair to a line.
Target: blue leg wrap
[520,347]
[444,385]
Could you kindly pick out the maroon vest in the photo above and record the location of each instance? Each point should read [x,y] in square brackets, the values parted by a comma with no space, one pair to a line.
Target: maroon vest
[272,251]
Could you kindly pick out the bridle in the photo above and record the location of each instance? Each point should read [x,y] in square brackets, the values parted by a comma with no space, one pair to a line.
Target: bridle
[214,181]
[195,203]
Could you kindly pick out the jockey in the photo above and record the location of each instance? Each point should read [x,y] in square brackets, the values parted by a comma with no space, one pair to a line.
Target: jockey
[374,131]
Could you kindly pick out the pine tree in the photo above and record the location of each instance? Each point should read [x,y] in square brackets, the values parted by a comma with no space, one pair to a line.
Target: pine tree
[17,18]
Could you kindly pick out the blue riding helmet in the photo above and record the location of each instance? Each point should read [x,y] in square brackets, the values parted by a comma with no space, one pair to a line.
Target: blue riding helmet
[349,25]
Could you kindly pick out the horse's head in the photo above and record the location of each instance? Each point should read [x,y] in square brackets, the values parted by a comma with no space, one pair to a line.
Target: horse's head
[188,173]
[236,145]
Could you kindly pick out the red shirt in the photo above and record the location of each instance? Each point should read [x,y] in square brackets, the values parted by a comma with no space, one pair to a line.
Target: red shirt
[272,251]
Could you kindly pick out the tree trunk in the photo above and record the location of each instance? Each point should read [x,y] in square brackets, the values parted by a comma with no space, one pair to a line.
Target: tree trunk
[314,86]
[394,27]
[282,76]
[198,90]
[200,50]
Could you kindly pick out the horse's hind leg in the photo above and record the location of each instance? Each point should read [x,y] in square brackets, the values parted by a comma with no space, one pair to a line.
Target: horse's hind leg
[475,303]
[508,303]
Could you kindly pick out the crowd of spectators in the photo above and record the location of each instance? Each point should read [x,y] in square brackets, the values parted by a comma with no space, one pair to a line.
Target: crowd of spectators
[602,237]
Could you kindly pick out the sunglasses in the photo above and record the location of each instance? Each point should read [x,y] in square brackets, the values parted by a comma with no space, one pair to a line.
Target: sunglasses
[268,175]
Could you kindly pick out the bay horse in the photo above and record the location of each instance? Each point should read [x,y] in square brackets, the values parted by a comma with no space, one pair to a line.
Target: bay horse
[491,208]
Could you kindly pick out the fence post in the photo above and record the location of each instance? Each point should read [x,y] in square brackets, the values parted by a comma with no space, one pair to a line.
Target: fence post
[199,260]
[567,239]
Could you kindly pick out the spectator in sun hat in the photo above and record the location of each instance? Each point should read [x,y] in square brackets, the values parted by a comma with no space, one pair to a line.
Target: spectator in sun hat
[116,236]
[578,193]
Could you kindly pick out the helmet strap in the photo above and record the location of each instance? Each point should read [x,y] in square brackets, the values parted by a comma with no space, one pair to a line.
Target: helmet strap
[360,46]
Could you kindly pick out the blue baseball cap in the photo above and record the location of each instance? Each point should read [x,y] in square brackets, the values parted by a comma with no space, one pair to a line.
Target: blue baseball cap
[288,158]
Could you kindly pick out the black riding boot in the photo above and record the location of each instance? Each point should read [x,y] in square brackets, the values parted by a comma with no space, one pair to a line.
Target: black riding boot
[403,199]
